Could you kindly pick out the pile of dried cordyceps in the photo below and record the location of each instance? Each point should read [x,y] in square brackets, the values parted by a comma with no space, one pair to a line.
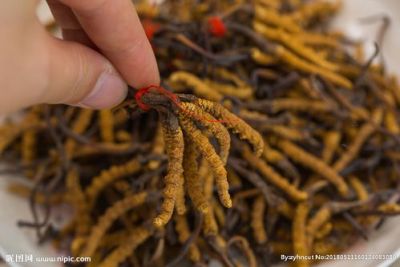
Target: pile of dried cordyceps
[321,170]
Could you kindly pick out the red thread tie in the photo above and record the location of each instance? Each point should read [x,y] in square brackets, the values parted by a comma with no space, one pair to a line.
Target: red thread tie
[171,96]
[216,26]
[141,92]
[138,97]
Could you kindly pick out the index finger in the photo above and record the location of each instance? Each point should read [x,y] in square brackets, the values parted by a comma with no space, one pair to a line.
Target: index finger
[115,28]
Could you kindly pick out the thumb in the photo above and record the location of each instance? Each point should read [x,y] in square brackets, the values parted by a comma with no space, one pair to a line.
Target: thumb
[80,76]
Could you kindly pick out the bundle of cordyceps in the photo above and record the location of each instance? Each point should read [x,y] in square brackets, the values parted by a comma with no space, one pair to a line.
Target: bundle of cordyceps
[311,166]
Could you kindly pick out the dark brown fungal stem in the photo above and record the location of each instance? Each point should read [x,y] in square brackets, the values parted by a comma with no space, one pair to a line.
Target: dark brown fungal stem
[381,34]
[363,233]
[188,243]
[366,66]
[36,224]
[226,59]
[220,251]
[256,180]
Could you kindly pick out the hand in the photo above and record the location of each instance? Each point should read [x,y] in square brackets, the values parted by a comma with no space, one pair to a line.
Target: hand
[104,48]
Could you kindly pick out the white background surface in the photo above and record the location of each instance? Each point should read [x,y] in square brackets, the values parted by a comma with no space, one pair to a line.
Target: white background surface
[14,240]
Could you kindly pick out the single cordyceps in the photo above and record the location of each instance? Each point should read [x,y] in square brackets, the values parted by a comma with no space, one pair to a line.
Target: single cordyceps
[311,167]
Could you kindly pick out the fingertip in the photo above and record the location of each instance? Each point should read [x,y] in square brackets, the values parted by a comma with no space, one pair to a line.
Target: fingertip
[142,69]
[80,76]
[148,74]
[114,26]
[108,91]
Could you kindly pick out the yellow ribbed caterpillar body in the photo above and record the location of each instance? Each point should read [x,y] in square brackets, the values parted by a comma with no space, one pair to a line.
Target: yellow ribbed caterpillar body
[362,135]
[298,63]
[297,105]
[234,123]
[118,255]
[226,75]
[273,177]
[244,92]
[324,231]
[359,188]
[193,180]
[77,197]
[9,132]
[321,217]
[158,147]
[273,18]
[331,141]
[78,126]
[391,122]
[200,87]
[278,159]
[180,196]
[29,137]
[208,153]
[210,226]
[294,44]
[108,218]
[108,176]
[106,122]
[214,127]
[315,9]
[262,58]
[257,222]
[174,147]
[308,160]
[301,244]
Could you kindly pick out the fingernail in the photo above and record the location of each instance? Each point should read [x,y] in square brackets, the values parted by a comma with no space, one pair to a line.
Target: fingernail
[109,90]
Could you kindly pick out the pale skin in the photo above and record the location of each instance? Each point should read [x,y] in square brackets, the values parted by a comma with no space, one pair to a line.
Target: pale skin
[104,49]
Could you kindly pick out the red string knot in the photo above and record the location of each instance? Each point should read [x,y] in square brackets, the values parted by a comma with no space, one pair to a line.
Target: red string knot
[145,90]
[171,96]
